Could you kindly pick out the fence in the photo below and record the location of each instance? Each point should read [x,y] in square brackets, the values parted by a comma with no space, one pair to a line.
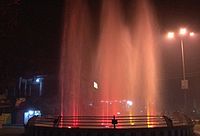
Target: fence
[108,126]
[108,121]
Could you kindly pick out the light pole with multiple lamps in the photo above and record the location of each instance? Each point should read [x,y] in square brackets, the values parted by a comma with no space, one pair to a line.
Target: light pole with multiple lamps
[184,82]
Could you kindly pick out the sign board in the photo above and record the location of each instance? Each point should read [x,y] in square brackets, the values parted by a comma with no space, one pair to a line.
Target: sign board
[184,84]
[5,118]
[96,85]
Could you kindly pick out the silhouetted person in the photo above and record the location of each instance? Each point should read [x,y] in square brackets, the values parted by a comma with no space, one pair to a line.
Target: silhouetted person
[168,121]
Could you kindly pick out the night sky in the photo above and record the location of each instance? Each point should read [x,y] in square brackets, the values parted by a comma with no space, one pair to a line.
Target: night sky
[30,37]
[31,33]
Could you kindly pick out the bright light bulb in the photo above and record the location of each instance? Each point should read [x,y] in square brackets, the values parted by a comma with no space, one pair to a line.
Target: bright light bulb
[182,31]
[192,34]
[170,35]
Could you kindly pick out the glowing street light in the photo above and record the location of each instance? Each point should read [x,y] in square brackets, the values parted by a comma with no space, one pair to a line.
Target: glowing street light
[182,33]
[192,34]
[170,35]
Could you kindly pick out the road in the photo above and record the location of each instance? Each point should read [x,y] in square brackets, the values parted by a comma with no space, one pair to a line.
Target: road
[17,131]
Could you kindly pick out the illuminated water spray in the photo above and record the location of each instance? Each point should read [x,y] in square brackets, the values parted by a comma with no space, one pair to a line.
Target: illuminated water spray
[114,72]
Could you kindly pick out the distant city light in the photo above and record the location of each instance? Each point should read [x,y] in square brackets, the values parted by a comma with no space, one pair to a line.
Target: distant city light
[118,113]
[170,35]
[130,103]
[96,85]
[37,113]
[182,31]
[37,80]
[30,112]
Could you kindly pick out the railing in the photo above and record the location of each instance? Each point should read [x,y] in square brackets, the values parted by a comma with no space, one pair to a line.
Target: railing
[107,121]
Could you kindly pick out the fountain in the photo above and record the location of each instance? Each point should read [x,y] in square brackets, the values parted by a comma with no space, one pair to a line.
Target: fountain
[109,74]
[118,53]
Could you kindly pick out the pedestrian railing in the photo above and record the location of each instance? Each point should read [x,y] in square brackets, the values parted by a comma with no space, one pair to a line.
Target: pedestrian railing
[107,121]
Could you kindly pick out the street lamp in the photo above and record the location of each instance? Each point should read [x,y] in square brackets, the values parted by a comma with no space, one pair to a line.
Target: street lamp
[170,35]
[192,34]
[182,33]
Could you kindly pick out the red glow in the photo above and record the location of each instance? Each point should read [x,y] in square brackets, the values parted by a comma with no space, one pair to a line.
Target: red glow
[124,61]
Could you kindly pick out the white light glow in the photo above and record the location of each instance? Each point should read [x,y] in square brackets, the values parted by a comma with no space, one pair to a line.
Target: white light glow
[182,31]
[192,34]
[37,80]
[170,35]
[96,85]
[130,103]
[30,112]
[118,113]
[37,113]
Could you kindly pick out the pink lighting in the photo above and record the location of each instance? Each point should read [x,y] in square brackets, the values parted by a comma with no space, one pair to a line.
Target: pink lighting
[122,58]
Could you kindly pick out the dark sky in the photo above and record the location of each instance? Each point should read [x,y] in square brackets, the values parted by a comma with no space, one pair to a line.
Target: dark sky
[31,33]
[30,37]
[173,13]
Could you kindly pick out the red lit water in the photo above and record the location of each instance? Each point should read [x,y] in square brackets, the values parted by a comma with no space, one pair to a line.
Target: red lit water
[122,58]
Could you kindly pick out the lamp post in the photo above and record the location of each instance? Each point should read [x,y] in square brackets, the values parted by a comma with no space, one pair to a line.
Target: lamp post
[183,58]
[184,82]
[182,33]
